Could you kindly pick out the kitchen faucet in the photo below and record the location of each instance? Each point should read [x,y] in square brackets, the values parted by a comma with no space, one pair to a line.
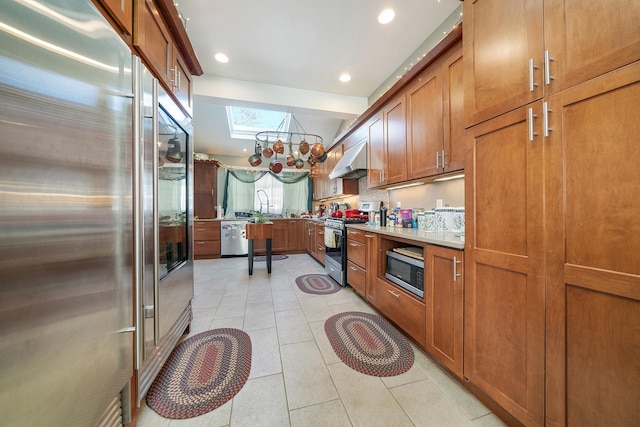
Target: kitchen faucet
[261,202]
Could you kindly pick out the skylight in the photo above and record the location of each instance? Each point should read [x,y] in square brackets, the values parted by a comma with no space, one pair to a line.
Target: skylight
[244,122]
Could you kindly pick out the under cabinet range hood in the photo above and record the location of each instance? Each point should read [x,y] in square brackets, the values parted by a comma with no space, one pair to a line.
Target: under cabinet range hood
[353,163]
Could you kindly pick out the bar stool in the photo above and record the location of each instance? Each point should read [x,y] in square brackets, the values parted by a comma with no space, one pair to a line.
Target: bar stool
[259,231]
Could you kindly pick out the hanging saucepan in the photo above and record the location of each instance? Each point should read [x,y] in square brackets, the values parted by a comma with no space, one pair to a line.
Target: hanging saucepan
[299,163]
[275,166]
[255,159]
[267,152]
[278,147]
[290,159]
[318,152]
[304,147]
[311,160]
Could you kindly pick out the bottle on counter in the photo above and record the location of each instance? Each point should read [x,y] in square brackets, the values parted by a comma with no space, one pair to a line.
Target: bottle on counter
[383,215]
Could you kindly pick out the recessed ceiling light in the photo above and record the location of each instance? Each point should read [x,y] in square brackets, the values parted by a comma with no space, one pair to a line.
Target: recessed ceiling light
[345,77]
[221,57]
[386,16]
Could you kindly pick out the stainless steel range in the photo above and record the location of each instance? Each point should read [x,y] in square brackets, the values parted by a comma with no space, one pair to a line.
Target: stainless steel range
[335,236]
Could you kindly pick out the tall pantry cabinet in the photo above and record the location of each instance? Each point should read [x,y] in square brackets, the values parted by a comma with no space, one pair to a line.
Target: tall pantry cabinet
[552,301]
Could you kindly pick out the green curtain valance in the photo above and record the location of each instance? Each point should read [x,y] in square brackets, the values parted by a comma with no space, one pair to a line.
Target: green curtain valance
[248,176]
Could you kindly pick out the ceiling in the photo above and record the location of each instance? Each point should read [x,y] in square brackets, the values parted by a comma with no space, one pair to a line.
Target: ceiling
[287,55]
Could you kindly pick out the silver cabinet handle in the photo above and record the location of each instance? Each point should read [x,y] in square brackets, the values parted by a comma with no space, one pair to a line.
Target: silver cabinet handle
[547,72]
[437,160]
[393,293]
[532,83]
[444,153]
[455,269]
[353,268]
[200,243]
[530,118]
[352,244]
[545,119]
[368,236]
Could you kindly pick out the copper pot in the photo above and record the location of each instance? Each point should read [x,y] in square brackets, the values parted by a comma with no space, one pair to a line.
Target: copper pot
[267,152]
[255,159]
[291,160]
[299,163]
[311,160]
[317,151]
[275,166]
[278,147]
[304,147]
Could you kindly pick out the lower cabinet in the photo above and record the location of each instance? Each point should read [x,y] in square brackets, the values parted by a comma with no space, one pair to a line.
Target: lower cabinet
[357,260]
[402,309]
[320,249]
[206,239]
[444,300]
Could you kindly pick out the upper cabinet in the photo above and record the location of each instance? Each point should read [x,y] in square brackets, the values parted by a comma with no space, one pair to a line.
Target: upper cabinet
[534,48]
[158,40]
[323,187]
[121,11]
[435,127]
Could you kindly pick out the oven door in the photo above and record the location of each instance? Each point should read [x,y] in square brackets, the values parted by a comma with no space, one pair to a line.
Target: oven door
[335,258]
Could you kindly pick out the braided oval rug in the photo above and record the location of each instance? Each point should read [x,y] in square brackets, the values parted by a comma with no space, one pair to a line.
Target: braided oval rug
[369,344]
[202,373]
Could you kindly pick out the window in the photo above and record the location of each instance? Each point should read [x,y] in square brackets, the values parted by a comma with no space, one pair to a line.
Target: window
[269,195]
[244,123]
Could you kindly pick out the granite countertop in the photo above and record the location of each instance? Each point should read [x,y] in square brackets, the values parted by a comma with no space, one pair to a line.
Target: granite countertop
[441,238]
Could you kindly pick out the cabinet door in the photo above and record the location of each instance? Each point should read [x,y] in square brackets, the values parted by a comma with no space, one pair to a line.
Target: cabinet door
[182,85]
[424,124]
[443,296]
[153,40]
[357,252]
[280,236]
[586,42]
[309,228]
[453,111]
[357,277]
[403,310]
[372,267]
[122,12]
[319,243]
[504,283]
[204,189]
[593,242]
[376,153]
[395,131]
[500,39]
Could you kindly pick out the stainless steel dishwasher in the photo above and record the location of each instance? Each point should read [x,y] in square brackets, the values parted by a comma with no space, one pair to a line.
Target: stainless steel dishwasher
[233,238]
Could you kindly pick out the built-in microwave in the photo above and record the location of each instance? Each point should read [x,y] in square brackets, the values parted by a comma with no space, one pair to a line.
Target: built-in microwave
[406,272]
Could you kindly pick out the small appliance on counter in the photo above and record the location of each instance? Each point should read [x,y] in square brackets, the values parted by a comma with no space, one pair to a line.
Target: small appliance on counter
[368,210]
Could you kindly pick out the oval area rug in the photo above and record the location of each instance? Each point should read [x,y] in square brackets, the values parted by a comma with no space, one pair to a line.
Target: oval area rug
[369,344]
[318,284]
[202,373]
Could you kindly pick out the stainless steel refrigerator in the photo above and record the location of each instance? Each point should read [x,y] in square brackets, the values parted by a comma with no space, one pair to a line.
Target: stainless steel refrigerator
[163,212]
[81,219]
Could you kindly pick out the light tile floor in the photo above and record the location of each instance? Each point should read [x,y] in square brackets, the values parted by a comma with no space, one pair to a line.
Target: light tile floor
[296,378]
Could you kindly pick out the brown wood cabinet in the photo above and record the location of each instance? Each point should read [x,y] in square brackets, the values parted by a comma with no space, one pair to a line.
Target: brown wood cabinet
[402,309]
[504,284]
[121,11]
[153,40]
[309,236]
[205,178]
[549,243]
[206,239]
[592,235]
[356,245]
[516,52]
[387,144]
[323,187]
[319,247]
[444,299]
[376,152]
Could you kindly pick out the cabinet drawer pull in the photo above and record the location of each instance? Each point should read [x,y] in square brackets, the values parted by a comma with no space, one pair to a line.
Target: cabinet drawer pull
[353,268]
[530,118]
[545,119]
[200,229]
[547,72]
[393,293]
[201,243]
[455,269]
[352,244]
[532,83]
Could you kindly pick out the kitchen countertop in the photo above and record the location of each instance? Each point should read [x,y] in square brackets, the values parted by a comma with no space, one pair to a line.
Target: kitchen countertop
[441,238]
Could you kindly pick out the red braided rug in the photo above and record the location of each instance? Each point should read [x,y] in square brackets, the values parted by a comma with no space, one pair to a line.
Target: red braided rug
[369,344]
[202,373]
[319,284]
